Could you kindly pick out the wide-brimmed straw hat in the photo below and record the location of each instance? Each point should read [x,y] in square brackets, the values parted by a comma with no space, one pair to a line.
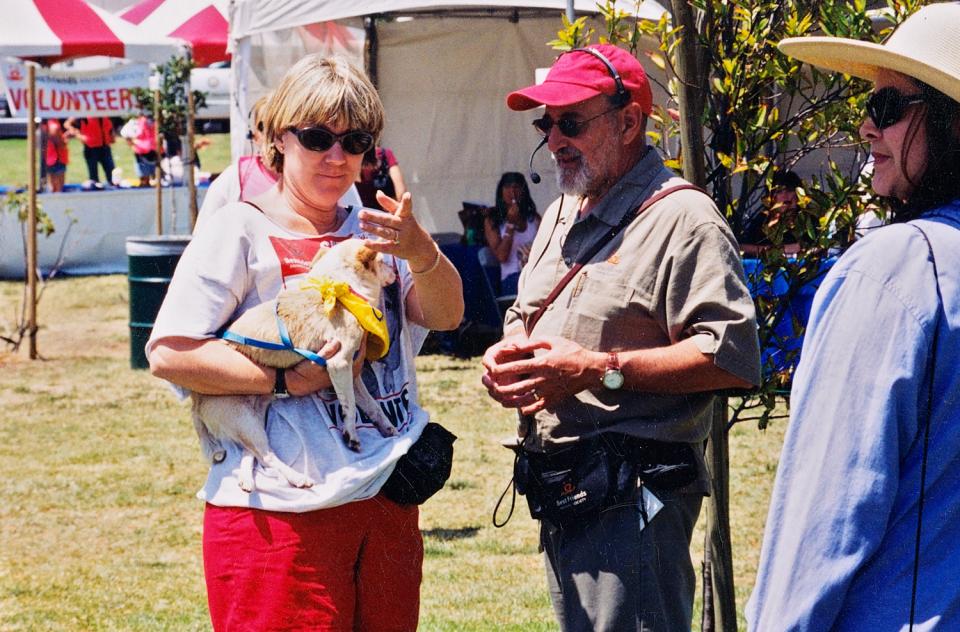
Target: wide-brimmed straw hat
[926,46]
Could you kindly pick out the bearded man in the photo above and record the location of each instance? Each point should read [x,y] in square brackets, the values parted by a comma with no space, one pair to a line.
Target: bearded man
[632,312]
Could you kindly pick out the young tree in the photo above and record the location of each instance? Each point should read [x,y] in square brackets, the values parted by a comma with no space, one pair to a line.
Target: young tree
[16,203]
[174,101]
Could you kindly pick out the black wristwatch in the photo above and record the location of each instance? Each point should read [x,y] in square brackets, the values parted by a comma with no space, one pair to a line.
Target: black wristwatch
[280,384]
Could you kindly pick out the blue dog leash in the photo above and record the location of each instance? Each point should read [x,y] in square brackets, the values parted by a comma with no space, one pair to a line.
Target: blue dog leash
[285,343]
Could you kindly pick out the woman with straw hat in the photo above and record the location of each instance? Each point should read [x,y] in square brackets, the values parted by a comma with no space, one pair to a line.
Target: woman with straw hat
[863,531]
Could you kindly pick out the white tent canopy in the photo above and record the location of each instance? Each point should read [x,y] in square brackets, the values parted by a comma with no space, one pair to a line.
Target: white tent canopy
[256,16]
[443,71]
[64,29]
[202,23]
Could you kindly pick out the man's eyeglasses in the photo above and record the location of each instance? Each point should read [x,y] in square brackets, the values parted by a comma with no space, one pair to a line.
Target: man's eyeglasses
[888,106]
[568,126]
[321,139]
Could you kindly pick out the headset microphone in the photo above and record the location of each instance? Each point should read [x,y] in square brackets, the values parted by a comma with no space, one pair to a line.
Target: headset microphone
[534,176]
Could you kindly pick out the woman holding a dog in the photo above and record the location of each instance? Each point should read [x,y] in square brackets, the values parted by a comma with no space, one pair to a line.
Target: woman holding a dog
[337,555]
[862,532]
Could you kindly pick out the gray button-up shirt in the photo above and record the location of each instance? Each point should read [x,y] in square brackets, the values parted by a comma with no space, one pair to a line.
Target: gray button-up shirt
[673,273]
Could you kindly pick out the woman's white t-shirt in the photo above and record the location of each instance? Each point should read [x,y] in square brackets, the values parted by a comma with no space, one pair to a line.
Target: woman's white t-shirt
[519,249]
[240,259]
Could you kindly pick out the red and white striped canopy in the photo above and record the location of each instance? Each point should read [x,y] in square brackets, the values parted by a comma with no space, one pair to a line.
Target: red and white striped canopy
[199,22]
[47,31]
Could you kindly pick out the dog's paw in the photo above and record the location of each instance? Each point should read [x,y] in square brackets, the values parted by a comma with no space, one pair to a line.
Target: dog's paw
[301,480]
[388,431]
[352,441]
[246,483]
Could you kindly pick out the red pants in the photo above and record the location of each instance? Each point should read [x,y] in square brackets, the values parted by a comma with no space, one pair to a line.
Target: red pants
[353,567]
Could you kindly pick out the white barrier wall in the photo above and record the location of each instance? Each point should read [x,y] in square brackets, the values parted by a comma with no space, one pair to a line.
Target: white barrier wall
[96,225]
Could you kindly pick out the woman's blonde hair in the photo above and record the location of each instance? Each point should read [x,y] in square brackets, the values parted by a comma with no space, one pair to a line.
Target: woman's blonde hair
[255,121]
[320,90]
[258,111]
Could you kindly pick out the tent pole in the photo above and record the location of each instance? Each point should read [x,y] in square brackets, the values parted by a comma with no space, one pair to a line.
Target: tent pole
[159,153]
[371,48]
[31,271]
[191,159]
[571,14]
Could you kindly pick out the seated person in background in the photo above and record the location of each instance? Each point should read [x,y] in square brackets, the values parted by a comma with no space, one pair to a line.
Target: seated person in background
[380,172]
[783,205]
[510,227]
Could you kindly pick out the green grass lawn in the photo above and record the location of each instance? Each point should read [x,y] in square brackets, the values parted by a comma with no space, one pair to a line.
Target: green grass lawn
[13,159]
[100,528]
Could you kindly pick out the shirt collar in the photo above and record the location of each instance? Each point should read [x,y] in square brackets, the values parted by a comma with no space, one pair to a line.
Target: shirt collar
[632,189]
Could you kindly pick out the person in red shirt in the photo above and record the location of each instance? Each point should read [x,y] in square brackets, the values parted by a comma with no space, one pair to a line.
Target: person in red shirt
[56,156]
[141,135]
[97,135]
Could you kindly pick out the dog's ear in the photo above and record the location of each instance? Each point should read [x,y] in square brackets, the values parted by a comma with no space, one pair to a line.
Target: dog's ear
[366,257]
[323,250]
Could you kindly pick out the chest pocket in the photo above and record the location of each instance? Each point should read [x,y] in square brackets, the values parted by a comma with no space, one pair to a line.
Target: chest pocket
[601,311]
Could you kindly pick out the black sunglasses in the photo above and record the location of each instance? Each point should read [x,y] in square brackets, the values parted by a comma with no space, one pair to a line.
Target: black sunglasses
[321,139]
[568,126]
[887,106]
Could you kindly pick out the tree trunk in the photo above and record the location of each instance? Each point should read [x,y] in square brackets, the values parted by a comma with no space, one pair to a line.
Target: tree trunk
[720,611]
[690,95]
[191,159]
[30,275]
[707,617]
[718,551]
[157,173]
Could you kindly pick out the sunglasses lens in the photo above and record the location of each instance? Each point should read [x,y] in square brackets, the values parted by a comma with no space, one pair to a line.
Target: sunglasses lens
[568,127]
[322,139]
[356,142]
[888,106]
[316,138]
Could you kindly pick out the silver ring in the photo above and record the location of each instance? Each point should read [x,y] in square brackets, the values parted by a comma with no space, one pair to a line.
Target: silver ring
[536,395]
[396,238]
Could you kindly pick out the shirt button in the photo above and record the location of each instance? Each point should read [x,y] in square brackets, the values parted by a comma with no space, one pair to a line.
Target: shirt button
[567,260]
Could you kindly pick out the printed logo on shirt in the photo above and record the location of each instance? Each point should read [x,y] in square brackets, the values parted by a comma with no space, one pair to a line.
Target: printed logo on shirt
[395,406]
[295,255]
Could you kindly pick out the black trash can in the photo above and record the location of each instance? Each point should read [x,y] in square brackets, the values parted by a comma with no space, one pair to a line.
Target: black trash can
[152,261]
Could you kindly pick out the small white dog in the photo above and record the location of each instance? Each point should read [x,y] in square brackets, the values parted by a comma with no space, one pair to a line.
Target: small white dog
[312,314]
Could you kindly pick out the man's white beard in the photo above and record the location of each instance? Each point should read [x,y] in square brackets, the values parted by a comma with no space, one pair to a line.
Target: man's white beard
[584,180]
[574,180]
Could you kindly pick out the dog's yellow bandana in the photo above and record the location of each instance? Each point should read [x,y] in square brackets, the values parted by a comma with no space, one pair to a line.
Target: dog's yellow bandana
[369,317]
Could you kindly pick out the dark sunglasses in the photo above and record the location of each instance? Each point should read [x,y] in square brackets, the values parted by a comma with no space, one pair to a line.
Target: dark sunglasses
[568,126]
[887,106]
[321,139]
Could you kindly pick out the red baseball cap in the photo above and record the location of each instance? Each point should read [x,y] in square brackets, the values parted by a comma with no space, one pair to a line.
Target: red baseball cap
[577,76]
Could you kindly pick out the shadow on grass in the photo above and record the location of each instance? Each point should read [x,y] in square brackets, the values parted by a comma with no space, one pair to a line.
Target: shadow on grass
[451,534]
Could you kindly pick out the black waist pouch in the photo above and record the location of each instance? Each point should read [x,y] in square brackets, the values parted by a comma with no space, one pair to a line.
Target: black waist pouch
[424,469]
[584,479]
[660,465]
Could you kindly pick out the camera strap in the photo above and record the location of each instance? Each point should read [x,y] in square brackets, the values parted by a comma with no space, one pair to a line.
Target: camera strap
[531,322]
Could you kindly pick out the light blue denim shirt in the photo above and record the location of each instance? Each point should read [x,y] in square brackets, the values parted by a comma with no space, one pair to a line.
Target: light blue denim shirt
[838,551]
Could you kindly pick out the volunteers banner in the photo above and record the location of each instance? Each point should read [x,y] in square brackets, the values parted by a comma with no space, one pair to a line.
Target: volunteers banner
[63,94]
